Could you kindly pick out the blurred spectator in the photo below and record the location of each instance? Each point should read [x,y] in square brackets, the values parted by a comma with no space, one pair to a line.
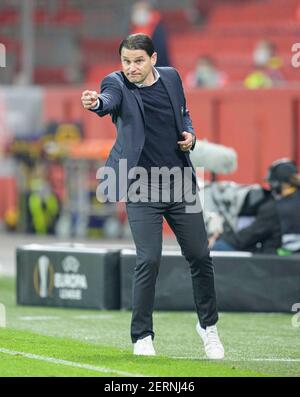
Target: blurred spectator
[276,227]
[145,19]
[267,65]
[206,74]
[43,204]
[204,8]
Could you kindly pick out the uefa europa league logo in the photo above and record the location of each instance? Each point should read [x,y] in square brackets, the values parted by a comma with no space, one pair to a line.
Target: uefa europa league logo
[43,277]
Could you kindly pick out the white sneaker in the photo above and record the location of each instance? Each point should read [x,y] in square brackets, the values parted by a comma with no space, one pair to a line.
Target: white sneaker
[144,347]
[212,345]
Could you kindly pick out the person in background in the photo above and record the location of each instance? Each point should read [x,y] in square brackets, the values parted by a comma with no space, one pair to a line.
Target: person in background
[276,228]
[43,207]
[146,19]
[206,74]
[267,65]
[42,202]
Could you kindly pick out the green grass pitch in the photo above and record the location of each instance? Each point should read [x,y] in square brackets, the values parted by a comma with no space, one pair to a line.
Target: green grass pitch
[41,341]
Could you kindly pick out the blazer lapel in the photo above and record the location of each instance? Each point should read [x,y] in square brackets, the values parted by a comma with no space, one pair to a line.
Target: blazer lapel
[138,97]
[135,91]
[173,95]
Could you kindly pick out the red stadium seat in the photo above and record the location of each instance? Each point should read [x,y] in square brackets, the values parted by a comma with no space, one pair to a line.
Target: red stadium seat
[97,72]
[41,16]
[10,44]
[67,17]
[95,51]
[46,76]
[176,20]
[9,16]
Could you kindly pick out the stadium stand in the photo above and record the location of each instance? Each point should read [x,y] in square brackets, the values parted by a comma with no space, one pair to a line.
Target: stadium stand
[221,116]
[229,32]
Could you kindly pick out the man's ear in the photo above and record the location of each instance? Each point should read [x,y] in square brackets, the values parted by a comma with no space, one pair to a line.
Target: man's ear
[154,58]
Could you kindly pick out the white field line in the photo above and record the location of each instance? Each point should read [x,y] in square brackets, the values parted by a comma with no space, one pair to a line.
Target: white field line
[77,317]
[287,360]
[92,316]
[53,360]
[38,318]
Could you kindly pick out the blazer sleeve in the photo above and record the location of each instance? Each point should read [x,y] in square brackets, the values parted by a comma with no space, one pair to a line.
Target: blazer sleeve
[110,97]
[187,121]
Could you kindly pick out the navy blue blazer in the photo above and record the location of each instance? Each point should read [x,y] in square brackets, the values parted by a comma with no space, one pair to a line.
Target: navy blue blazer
[121,99]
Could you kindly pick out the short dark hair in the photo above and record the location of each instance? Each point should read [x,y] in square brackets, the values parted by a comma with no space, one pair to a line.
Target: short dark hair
[138,41]
[281,170]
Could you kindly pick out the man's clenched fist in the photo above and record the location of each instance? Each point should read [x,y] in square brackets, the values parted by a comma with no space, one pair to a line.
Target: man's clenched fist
[89,99]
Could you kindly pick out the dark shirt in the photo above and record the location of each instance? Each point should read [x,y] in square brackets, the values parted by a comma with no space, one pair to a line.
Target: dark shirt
[263,235]
[289,213]
[161,136]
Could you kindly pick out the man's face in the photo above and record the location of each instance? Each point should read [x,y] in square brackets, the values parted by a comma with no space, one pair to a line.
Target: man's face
[137,64]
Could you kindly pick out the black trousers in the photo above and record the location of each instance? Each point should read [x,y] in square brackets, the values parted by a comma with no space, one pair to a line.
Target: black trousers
[145,221]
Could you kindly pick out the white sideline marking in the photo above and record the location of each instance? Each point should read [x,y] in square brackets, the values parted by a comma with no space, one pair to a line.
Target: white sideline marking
[296,360]
[277,359]
[176,252]
[38,318]
[2,316]
[92,316]
[79,317]
[68,363]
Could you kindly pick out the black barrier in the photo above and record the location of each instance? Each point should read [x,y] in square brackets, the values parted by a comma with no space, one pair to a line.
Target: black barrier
[244,282]
[83,277]
[258,283]
[68,276]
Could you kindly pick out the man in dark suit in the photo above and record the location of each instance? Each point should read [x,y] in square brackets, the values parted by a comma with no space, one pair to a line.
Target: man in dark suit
[154,131]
